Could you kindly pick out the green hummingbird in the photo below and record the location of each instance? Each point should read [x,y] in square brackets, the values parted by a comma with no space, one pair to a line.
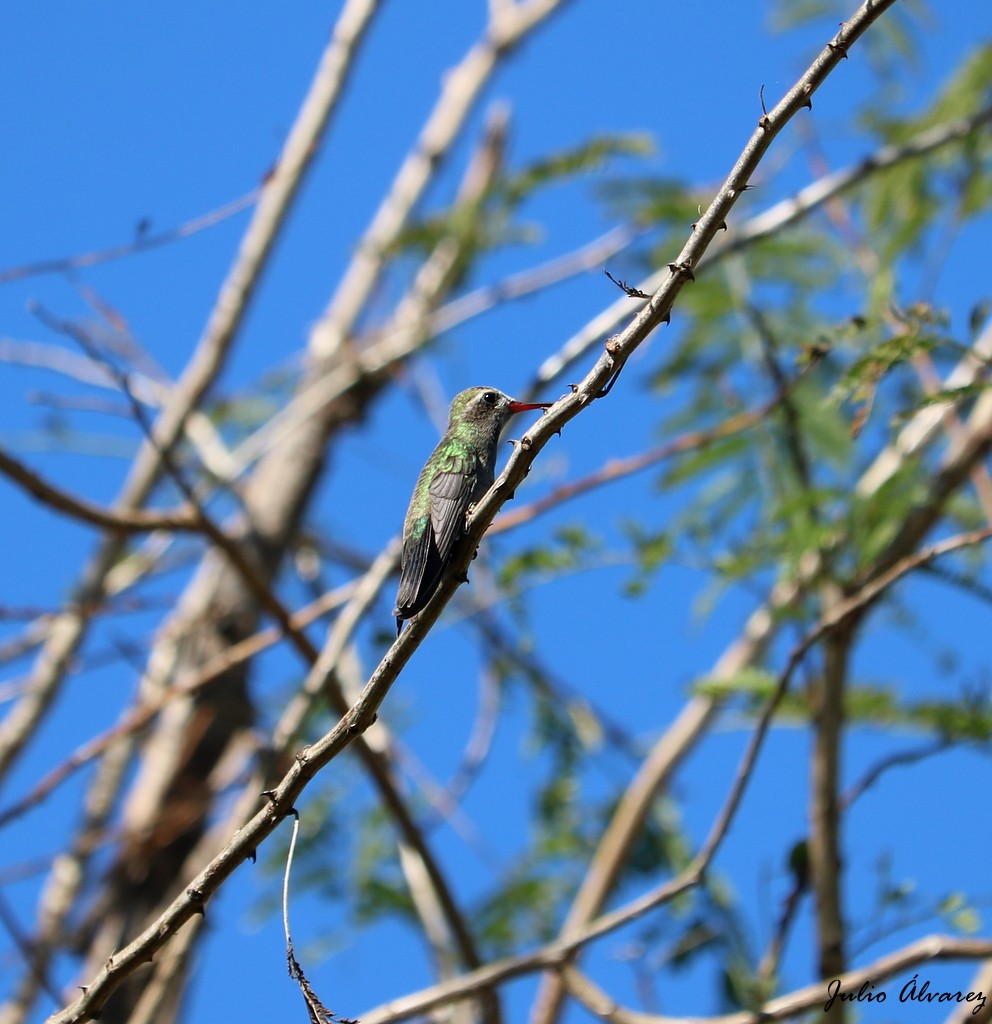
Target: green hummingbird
[458,473]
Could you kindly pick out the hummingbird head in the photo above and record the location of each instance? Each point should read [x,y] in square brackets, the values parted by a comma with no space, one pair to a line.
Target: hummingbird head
[487,407]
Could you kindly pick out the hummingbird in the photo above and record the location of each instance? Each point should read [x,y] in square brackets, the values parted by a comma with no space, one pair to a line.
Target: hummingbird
[458,473]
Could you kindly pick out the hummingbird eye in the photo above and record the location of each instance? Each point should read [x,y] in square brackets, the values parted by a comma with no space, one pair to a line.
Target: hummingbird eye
[489,397]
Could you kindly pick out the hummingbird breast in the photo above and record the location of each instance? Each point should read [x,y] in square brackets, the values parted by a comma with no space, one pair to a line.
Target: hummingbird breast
[458,473]
[456,476]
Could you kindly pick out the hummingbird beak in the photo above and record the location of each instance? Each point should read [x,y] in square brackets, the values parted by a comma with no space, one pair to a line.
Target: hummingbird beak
[516,407]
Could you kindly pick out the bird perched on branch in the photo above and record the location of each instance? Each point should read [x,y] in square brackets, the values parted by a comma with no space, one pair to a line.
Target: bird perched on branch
[458,473]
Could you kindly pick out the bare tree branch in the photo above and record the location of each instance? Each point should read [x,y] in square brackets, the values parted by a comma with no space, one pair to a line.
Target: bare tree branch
[123,521]
[462,86]
[668,282]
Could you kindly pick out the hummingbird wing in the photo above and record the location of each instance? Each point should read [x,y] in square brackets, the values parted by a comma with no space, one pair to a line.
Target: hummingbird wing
[431,539]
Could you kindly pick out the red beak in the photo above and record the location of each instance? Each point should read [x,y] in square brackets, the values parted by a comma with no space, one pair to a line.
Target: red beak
[516,407]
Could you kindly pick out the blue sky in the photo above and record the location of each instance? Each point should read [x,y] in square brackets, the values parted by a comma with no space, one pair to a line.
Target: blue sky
[117,113]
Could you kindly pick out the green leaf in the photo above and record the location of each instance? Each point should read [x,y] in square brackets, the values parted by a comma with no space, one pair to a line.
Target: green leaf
[566,164]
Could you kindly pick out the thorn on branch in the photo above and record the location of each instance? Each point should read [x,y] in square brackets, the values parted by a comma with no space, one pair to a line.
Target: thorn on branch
[609,384]
[197,898]
[808,93]
[764,121]
[271,796]
[356,724]
[684,268]
[629,290]
[612,347]
[839,44]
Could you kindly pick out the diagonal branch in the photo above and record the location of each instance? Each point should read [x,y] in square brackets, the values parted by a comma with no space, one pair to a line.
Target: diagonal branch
[771,221]
[603,373]
[143,243]
[122,521]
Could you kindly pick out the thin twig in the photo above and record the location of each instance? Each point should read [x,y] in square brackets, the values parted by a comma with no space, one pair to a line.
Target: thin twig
[904,757]
[232,548]
[137,717]
[142,243]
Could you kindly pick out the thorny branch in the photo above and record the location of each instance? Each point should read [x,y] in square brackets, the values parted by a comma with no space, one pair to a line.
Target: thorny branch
[773,220]
[505,37]
[606,369]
